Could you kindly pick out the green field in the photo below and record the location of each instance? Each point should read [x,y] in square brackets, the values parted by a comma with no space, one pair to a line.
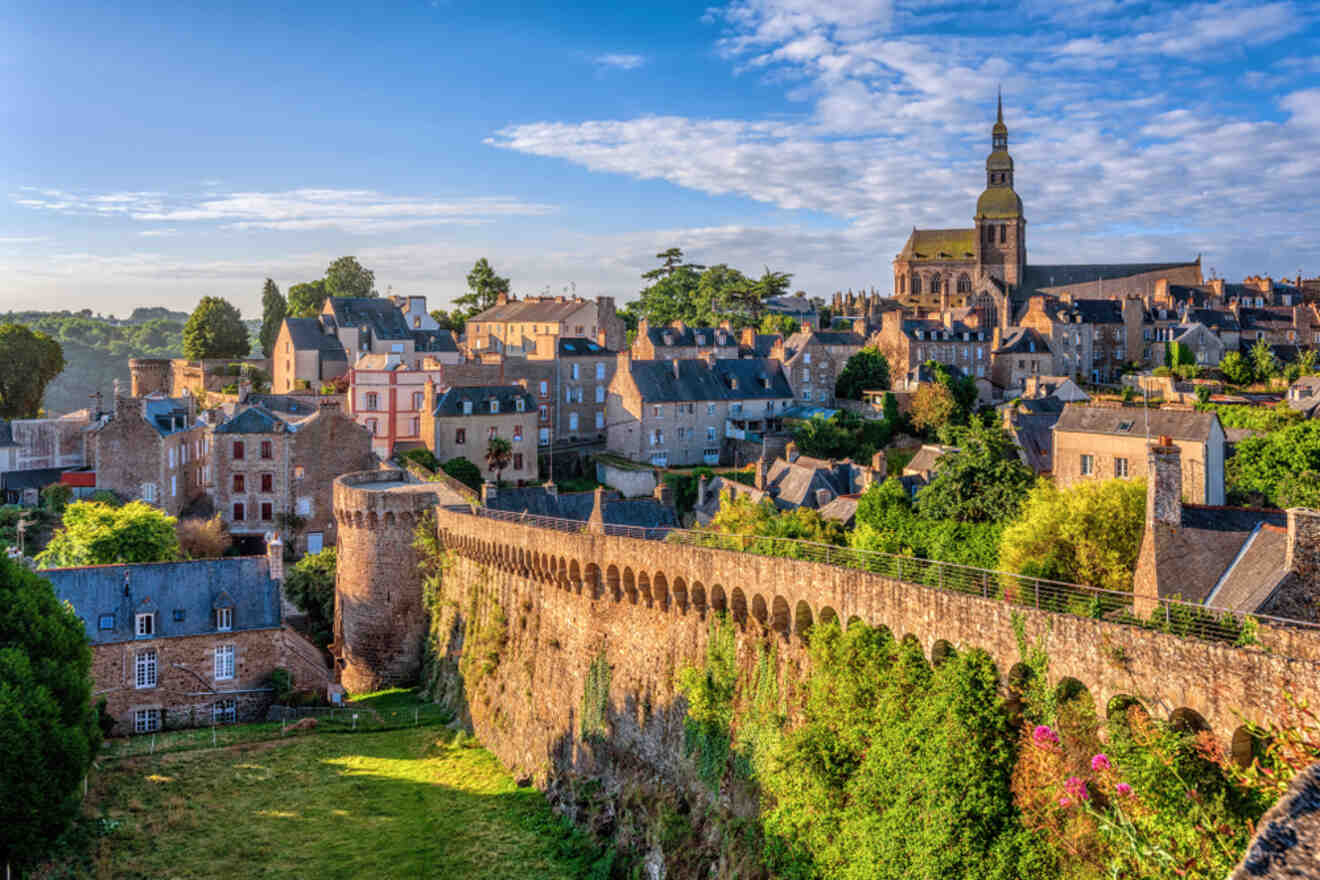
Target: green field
[414,802]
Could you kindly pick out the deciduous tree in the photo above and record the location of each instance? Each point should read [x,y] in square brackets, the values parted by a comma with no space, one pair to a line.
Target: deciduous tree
[215,330]
[932,407]
[29,360]
[1263,362]
[1236,368]
[484,286]
[306,299]
[347,277]
[273,309]
[98,534]
[866,370]
[310,585]
[982,481]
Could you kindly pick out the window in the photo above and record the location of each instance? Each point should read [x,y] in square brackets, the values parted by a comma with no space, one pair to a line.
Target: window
[267,511]
[916,284]
[106,621]
[517,461]
[460,436]
[224,712]
[494,404]
[544,413]
[239,513]
[964,284]
[543,437]
[304,507]
[657,437]
[681,433]
[145,624]
[600,372]
[572,421]
[710,431]
[417,400]
[573,372]
[545,389]
[238,483]
[1003,233]
[224,662]
[806,394]
[267,482]
[174,486]
[266,450]
[238,450]
[373,400]
[660,459]
[600,393]
[519,404]
[171,457]
[146,720]
[371,427]
[1088,465]
[1120,467]
[655,412]
[224,619]
[600,420]
[144,669]
[710,409]
[414,427]
[806,357]
[467,407]
[517,433]
[179,615]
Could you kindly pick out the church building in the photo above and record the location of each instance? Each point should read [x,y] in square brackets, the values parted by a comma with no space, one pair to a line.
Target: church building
[984,268]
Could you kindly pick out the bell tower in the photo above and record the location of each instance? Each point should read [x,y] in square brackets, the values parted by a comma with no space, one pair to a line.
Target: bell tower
[1001,229]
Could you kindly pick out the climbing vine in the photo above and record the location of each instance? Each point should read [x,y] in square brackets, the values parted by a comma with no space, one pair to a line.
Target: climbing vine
[709,689]
[596,698]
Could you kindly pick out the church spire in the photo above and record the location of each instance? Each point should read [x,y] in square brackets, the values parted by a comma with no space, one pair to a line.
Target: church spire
[999,134]
[1000,120]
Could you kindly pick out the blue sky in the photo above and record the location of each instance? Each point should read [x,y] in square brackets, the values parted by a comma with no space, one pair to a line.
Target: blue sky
[152,157]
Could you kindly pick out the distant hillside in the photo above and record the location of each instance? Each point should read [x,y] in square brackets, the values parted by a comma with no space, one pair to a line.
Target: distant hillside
[156,313]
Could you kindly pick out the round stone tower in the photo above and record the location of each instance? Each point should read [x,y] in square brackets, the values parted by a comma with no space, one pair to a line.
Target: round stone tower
[150,375]
[380,620]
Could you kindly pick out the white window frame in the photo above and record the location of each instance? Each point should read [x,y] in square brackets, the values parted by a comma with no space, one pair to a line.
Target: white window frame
[543,437]
[171,455]
[224,662]
[224,619]
[146,720]
[600,393]
[572,421]
[806,357]
[600,420]
[224,711]
[494,405]
[600,372]
[1120,468]
[573,372]
[144,625]
[304,507]
[1087,465]
[710,433]
[145,668]
[467,407]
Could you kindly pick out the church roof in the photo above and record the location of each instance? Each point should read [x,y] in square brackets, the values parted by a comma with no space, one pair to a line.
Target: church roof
[999,202]
[940,244]
[1040,277]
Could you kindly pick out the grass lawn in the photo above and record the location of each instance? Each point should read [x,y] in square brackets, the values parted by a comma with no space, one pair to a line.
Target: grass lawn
[405,803]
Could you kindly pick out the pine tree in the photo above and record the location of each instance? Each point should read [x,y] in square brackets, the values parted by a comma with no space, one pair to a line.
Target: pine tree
[273,310]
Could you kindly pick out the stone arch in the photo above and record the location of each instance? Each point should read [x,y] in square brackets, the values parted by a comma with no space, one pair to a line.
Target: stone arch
[1188,720]
[680,595]
[829,615]
[660,587]
[1070,689]
[780,617]
[718,603]
[593,584]
[644,588]
[941,652]
[803,620]
[563,574]
[389,519]
[759,610]
[357,519]
[630,585]
[854,620]
[699,598]
[373,520]
[964,283]
[1019,677]
[915,642]
[612,587]
[574,577]
[1245,745]
[738,606]
[1122,705]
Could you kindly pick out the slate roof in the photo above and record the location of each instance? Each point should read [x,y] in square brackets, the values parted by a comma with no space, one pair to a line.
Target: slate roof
[254,420]
[697,380]
[927,459]
[935,330]
[1033,435]
[1023,340]
[790,305]
[6,435]
[434,340]
[451,402]
[1129,421]
[794,484]
[539,309]
[284,404]
[168,415]
[571,346]
[691,336]
[1038,276]
[165,587]
[940,244]
[841,510]
[618,511]
[306,334]
[1257,571]
[1201,551]
[381,317]
[1269,318]
[16,481]
[1219,320]
[762,345]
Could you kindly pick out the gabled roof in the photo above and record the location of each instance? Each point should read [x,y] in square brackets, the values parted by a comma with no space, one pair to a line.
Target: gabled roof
[168,415]
[789,305]
[381,317]
[284,404]
[546,310]
[702,337]
[6,435]
[794,484]
[841,510]
[1033,435]
[1211,542]
[697,379]
[940,244]
[254,419]
[164,587]
[1040,276]
[1023,340]
[762,345]
[1268,318]
[1131,421]
[451,402]
[306,334]
[937,331]
[1219,320]
[434,340]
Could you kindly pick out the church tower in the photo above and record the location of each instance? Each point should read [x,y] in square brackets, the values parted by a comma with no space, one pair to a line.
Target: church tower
[1001,230]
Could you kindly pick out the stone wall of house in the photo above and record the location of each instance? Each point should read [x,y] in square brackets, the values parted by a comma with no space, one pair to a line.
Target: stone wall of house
[1106,449]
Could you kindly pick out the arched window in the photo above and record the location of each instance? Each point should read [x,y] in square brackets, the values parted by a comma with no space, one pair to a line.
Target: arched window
[936,286]
[964,283]
[902,284]
[916,284]
[1003,233]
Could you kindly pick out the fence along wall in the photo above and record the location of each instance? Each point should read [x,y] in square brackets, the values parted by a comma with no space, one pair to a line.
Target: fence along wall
[656,584]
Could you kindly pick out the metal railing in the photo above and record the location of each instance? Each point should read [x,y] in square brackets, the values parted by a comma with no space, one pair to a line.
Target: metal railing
[1187,619]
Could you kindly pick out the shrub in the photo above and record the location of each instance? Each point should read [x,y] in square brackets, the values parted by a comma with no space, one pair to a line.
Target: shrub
[464,471]
[203,538]
[423,457]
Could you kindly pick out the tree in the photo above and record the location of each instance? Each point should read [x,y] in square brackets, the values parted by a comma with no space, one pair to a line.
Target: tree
[1236,368]
[982,481]
[932,406]
[1263,466]
[29,360]
[347,277]
[310,585]
[305,300]
[1088,533]
[203,538]
[273,309]
[464,471]
[453,321]
[215,330]
[746,298]
[498,455]
[98,534]
[772,323]
[48,728]
[484,286]
[1263,362]
[866,370]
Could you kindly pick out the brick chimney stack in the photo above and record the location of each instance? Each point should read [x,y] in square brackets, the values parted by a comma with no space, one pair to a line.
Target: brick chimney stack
[596,524]
[1164,484]
[1303,556]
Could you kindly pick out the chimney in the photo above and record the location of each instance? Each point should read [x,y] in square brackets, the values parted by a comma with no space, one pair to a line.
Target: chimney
[275,556]
[759,479]
[664,493]
[489,492]
[244,388]
[1303,556]
[995,339]
[551,489]
[822,498]
[1162,291]
[1164,483]
[1217,285]
[701,490]
[879,466]
[596,524]
[502,298]
[748,337]
[790,451]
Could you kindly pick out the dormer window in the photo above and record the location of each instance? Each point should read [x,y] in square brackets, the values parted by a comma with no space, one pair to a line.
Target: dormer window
[224,619]
[467,407]
[518,404]
[145,625]
[494,404]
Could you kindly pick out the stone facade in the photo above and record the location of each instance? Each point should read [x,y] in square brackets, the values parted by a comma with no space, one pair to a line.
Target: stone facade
[452,430]
[138,459]
[514,327]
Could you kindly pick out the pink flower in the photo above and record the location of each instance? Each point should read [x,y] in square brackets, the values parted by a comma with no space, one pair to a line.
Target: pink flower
[1076,787]
[1044,737]
[1124,789]
[1100,762]
[1065,801]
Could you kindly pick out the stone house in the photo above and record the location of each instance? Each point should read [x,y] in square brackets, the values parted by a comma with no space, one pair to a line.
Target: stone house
[1240,559]
[681,412]
[1091,338]
[461,422]
[385,396]
[275,465]
[1207,348]
[678,341]
[1021,356]
[1279,325]
[153,449]
[511,326]
[583,372]
[909,342]
[1108,442]
[1304,395]
[188,644]
[813,360]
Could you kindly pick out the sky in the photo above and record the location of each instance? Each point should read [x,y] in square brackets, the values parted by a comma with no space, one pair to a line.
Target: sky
[152,154]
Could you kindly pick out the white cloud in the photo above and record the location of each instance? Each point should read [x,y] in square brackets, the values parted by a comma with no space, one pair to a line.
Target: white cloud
[620,60]
[359,211]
